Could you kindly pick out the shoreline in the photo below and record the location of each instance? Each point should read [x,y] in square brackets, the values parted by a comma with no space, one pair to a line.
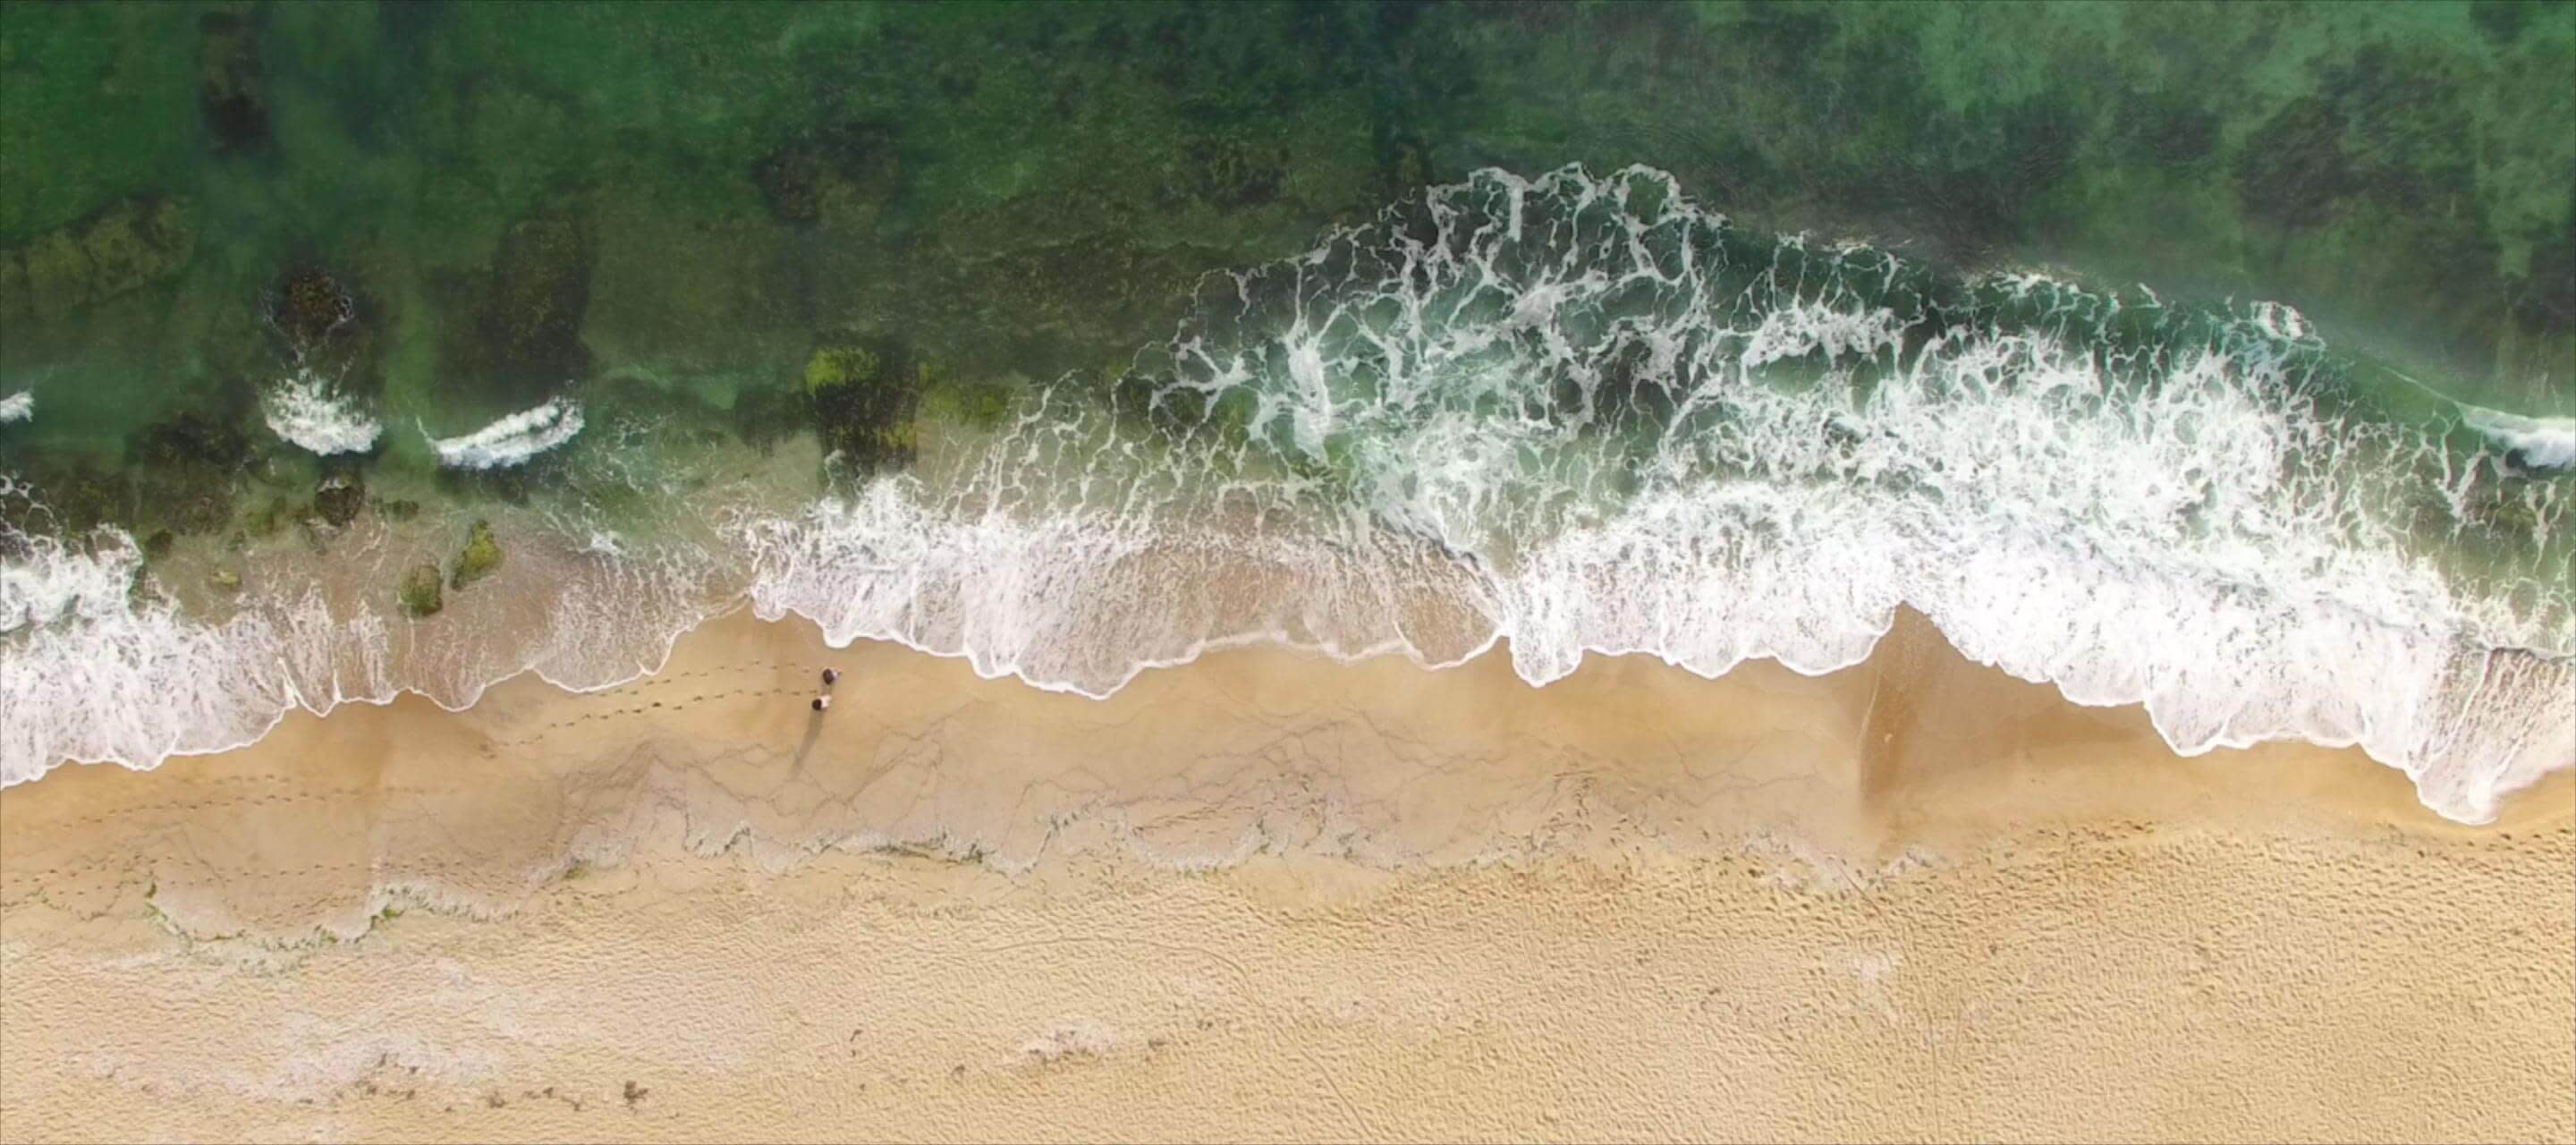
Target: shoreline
[1906,626]
[1272,895]
[1946,732]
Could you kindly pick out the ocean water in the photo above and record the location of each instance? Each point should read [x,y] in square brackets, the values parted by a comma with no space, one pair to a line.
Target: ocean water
[410,349]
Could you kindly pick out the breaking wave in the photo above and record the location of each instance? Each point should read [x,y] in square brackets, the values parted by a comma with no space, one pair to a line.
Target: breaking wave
[310,412]
[1576,414]
[20,406]
[2539,442]
[513,439]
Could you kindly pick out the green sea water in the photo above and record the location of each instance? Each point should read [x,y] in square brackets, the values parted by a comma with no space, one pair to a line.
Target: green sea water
[763,260]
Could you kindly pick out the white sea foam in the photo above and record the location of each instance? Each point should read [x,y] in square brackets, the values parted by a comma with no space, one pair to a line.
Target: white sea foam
[1650,435]
[20,406]
[139,682]
[513,439]
[1527,410]
[55,580]
[2541,442]
[310,411]
[97,664]
[2282,320]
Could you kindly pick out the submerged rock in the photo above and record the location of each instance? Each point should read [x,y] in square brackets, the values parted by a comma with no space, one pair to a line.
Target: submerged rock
[833,367]
[840,174]
[193,439]
[307,306]
[182,473]
[333,334]
[420,594]
[229,91]
[481,556]
[763,415]
[78,496]
[112,251]
[1233,171]
[864,400]
[524,336]
[340,498]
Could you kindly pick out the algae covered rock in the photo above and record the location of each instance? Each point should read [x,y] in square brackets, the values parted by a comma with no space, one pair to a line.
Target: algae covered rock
[419,594]
[307,305]
[117,249]
[864,399]
[329,325]
[340,498]
[833,367]
[481,556]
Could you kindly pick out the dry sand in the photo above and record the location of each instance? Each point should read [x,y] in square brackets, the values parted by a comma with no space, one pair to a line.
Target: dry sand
[1267,896]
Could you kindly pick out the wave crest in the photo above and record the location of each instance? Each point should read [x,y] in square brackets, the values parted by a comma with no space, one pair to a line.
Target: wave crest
[511,440]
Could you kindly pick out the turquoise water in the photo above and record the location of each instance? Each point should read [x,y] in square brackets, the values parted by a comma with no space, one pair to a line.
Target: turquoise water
[2215,358]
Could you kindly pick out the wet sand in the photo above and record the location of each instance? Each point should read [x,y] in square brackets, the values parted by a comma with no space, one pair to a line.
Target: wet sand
[1268,896]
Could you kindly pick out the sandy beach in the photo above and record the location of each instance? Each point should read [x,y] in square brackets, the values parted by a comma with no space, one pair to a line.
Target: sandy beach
[446,446]
[1266,896]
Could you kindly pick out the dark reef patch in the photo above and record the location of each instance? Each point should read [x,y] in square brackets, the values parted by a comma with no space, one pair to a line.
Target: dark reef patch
[2294,167]
[230,95]
[523,336]
[182,473]
[2386,127]
[2501,21]
[837,174]
[765,415]
[342,493]
[1234,171]
[2172,128]
[329,326]
[2545,296]
[864,394]
[115,250]
[307,306]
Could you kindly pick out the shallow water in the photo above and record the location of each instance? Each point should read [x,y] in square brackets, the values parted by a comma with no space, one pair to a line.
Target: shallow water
[2215,359]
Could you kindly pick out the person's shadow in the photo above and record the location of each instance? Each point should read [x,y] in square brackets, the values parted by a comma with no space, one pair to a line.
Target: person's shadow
[813,733]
